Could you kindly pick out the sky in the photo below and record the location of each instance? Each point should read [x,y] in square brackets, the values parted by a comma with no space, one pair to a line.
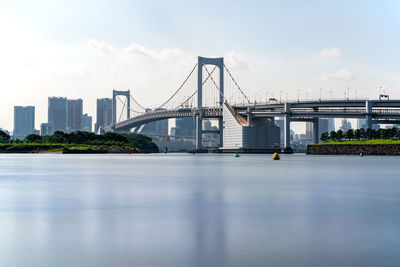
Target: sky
[84,49]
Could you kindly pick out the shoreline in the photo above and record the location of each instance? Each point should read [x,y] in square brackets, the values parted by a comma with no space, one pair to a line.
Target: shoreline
[354,149]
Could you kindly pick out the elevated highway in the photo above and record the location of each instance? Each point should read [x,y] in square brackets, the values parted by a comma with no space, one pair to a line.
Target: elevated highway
[374,111]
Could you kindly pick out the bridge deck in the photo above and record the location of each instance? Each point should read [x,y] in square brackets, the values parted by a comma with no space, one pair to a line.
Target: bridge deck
[384,111]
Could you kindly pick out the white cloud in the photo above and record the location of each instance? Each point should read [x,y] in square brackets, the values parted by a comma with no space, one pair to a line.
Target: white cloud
[232,60]
[101,46]
[328,53]
[342,74]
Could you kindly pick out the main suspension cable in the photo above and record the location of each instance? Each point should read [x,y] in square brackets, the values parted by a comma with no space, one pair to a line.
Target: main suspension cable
[212,79]
[233,79]
[180,87]
[137,103]
[190,97]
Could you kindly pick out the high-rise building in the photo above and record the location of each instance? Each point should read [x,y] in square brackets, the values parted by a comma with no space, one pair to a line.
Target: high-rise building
[24,121]
[346,125]
[58,114]
[309,130]
[210,139]
[75,108]
[323,126]
[104,113]
[361,123]
[331,124]
[157,128]
[86,123]
[45,129]
[185,127]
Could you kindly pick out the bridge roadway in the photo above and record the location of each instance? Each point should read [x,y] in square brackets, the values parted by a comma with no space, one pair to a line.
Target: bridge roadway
[123,126]
[385,111]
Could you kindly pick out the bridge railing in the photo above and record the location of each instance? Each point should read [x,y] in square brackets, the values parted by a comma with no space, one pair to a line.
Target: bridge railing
[301,100]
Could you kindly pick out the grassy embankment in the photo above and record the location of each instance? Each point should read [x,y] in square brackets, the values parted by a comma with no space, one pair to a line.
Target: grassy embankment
[59,147]
[362,142]
[79,142]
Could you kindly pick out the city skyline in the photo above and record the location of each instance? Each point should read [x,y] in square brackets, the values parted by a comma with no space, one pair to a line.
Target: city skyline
[146,48]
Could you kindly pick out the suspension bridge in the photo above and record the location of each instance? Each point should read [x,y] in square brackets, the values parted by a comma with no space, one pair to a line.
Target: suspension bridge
[243,124]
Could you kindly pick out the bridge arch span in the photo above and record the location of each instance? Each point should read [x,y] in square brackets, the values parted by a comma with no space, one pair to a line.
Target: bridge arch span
[151,116]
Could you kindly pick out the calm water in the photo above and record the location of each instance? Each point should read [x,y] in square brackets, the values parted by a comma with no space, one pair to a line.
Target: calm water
[202,210]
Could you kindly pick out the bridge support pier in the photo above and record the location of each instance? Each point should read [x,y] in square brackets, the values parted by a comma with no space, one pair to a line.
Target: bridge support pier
[249,116]
[286,146]
[199,132]
[368,117]
[221,132]
[316,130]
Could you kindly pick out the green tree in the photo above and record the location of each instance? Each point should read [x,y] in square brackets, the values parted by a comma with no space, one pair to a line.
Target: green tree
[32,138]
[357,134]
[362,133]
[59,137]
[397,135]
[340,135]
[324,137]
[390,133]
[4,137]
[370,134]
[142,142]
[349,134]
[380,134]
[333,136]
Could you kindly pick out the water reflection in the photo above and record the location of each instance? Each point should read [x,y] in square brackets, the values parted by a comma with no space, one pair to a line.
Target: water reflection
[203,210]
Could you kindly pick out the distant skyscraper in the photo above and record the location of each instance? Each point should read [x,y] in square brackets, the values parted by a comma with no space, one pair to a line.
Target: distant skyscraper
[361,123]
[158,127]
[45,129]
[331,124]
[104,113]
[185,127]
[75,107]
[58,114]
[346,125]
[86,123]
[24,121]
[309,130]
[210,139]
[323,126]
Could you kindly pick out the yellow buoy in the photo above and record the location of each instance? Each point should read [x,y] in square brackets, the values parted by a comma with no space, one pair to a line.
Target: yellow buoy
[275,156]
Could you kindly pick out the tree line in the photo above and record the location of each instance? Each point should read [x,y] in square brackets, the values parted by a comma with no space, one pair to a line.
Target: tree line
[361,134]
[80,137]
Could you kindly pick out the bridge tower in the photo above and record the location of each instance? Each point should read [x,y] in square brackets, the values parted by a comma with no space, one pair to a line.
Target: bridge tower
[127,94]
[219,62]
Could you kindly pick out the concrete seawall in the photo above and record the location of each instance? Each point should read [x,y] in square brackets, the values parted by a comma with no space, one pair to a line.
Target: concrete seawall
[347,149]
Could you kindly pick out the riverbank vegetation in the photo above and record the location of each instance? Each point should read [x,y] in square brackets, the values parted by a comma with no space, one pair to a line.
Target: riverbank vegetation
[362,136]
[78,142]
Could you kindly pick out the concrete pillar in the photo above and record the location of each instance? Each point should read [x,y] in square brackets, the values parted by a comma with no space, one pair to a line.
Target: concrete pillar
[249,116]
[221,101]
[114,108]
[221,81]
[287,126]
[221,132]
[316,130]
[219,62]
[368,117]
[199,132]
[128,96]
[199,121]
